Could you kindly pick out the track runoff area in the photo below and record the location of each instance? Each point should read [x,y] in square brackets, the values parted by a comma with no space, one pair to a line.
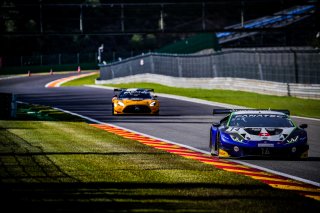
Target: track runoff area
[272,178]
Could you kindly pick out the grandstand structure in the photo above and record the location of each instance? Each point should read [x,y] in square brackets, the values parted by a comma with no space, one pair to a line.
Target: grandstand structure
[200,42]
[277,20]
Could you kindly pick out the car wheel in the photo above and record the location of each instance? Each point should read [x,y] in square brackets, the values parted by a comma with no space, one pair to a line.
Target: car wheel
[213,148]
[210,144]
[217,144]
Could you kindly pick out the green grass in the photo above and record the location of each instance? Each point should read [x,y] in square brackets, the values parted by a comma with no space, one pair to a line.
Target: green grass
[297,106]
[82,81]
[39,112]
[71,166]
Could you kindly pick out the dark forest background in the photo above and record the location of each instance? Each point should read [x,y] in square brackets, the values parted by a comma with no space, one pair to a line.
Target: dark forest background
[131,27]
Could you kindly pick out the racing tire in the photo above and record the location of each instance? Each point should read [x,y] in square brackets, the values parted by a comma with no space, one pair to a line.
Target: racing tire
[217,145]
[210,145]
[213,149]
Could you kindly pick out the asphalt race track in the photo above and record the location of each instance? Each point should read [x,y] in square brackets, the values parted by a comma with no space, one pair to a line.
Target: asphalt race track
[179,121]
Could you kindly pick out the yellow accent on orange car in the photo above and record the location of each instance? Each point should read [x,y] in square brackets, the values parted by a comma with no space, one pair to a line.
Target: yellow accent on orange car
[135,101]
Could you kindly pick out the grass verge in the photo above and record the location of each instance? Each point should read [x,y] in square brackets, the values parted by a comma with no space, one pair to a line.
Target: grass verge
[82,81]
[297,106]
[49,165]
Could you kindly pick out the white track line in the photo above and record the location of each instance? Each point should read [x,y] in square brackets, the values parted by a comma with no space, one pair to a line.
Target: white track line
[195,100]
[130,130]
[198,150]
[278,173]
[200,101]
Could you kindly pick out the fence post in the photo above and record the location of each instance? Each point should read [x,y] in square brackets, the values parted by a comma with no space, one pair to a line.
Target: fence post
[214,66]
[260,71]
[130,68]
[112,72]
[288,89]
[179,67]
[295,65]
[151,63]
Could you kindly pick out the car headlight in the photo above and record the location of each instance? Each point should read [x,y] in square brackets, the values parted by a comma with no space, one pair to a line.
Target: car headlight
[237,138]
[120,103]
[153,103]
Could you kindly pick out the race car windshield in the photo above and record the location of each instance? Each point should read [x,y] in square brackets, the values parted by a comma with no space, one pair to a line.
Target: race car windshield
[135,95]
[260,120]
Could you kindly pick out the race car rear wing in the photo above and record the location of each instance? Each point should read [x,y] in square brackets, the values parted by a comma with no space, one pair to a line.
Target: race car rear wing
[148,89]
[228,111]
[121,89]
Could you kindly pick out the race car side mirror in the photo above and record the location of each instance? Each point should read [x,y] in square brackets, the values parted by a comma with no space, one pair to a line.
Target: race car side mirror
[154,97]
[216,124]
[303,126]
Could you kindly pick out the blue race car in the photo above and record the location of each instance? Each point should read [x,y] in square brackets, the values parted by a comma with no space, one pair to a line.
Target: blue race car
[261,132]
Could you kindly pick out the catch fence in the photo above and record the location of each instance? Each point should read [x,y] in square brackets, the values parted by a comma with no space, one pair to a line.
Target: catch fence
[286,65]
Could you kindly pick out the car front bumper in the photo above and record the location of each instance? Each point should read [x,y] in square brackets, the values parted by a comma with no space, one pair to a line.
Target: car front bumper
[293,151]
[136,109]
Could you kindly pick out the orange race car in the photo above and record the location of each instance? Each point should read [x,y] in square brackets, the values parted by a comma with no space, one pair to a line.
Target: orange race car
[134,101]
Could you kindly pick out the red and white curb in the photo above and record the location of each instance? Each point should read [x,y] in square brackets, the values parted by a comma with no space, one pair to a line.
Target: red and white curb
[58,82]
[270,178]
[275,181]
